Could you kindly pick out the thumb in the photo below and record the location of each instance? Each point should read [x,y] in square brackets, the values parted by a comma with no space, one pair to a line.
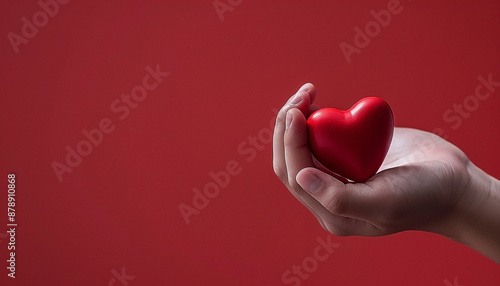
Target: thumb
[355,200]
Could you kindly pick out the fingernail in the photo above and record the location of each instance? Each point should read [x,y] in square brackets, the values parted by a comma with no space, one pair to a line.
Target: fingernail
[296,99]
[289,119]
[309,182]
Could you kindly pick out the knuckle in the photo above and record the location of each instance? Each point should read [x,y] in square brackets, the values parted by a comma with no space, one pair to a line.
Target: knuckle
[338,204]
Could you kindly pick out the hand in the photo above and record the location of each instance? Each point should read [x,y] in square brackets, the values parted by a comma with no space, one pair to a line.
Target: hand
[425,182]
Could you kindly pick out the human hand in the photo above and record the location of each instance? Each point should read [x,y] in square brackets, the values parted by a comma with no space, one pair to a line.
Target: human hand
[425,182]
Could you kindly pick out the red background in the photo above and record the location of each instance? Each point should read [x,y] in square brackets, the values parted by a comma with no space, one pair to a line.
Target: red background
[119,207]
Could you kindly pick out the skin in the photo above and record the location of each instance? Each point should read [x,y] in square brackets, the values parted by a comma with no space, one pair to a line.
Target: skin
[425,183]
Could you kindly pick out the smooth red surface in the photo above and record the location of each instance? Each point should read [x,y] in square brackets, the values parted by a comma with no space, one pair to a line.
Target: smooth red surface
[352,143]
[120,207]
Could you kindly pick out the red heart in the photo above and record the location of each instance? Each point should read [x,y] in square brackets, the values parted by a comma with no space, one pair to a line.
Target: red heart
[352,143]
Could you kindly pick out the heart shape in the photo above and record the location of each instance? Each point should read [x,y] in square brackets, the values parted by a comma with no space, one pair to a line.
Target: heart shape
[352,143]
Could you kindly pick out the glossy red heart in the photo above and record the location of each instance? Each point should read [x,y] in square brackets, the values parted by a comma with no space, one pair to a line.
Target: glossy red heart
[352,143]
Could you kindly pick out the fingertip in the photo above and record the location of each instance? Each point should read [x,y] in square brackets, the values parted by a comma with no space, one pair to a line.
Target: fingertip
[306,86]
[326,178]
[308,180]
[305,171]
[293,112]
[310,89]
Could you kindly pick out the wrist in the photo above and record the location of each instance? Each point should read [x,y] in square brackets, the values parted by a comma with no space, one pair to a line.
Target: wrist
[475,217]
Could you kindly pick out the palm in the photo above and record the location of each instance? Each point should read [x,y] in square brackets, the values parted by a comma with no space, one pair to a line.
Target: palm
[417,175]
[413,146]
